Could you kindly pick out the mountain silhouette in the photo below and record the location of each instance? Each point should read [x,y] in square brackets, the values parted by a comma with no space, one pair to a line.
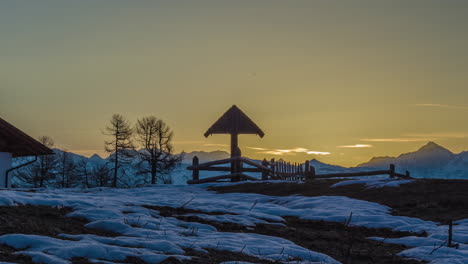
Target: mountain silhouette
[429,161]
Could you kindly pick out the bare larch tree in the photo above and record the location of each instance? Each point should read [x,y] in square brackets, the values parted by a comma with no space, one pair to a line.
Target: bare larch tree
[82,172]
[100,174]
[43,171]
[121,146]
[66,167]
[157,156]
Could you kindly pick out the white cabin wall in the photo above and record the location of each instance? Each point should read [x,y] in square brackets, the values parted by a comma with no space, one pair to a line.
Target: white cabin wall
[5,164]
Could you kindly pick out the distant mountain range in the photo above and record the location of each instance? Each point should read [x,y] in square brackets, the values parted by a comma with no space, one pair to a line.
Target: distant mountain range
[430,161]
[204,156]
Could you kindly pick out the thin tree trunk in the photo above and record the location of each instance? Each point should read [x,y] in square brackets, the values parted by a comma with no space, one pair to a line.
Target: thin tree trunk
[114,184]
[63,175]
[86,177]
[153,173]
[116,160]
[35,179]
[41,182]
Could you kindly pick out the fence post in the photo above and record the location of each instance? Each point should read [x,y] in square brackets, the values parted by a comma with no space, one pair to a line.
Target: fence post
[300,172]
[264,172]
[240,167]
[392,171]
[236,165]
[296,168]
[312,172]
[297,171]
[195,172]
[291,171]
[273,167]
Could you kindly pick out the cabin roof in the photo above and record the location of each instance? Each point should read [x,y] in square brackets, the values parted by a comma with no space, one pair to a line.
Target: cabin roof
[234,121]
[18,143]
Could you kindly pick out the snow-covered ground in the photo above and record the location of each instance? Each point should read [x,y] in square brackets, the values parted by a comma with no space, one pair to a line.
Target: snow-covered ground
[151,237]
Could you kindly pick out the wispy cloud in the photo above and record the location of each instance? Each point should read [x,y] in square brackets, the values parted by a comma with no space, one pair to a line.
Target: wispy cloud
[293,151]
[284,150]
[357,146]
[256,148]
[396,139]
[318,153]
[443,106]
[300,150]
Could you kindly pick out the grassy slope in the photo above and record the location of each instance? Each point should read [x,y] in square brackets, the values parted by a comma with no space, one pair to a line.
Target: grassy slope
[434,200]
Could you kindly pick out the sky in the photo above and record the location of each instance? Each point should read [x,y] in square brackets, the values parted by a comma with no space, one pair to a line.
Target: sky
[339,81]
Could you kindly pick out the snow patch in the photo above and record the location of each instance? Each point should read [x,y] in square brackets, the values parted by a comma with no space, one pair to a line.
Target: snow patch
[145,234]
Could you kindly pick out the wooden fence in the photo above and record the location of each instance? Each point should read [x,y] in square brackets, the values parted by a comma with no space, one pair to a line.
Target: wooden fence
[282,170]
[274,170]
[236,170]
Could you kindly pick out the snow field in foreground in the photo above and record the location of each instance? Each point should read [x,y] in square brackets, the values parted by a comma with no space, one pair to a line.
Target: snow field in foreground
[147,235]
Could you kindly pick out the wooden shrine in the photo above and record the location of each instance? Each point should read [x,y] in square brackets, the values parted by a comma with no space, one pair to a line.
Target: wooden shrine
[234,123]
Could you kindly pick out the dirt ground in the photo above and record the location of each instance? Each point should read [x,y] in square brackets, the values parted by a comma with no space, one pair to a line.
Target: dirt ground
[215,256]
[51,221]
[39,220]
[434,200]
[43,220]
[7,255]
[347,244]
[437,200]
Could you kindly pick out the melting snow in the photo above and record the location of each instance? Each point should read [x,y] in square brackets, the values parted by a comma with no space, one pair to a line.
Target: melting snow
[153,238]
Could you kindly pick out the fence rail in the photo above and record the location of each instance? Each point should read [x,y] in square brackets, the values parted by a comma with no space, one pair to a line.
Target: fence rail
[274,170]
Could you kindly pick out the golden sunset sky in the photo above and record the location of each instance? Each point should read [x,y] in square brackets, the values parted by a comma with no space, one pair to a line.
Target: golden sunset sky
[350,79]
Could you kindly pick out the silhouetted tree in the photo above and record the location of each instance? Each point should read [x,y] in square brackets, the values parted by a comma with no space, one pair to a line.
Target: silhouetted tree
[101,175]
[157,156]
[43,171]
[67,170]
[121,146]
[83,173]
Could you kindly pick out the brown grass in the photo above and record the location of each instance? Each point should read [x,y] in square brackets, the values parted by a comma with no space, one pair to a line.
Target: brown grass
[40,220]
[215,256]
[348,244]
[43,220]
[437,200]
[434,200]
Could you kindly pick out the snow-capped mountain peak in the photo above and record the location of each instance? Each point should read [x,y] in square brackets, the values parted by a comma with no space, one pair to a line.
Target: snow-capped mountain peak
[95,158]
[433,147]
[429,161]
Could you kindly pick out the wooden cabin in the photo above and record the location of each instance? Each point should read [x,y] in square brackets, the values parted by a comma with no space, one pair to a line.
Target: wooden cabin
[14,144]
